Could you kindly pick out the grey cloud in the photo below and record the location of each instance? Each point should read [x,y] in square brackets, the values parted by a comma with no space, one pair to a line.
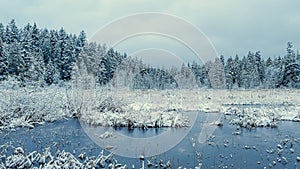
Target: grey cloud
[233,26]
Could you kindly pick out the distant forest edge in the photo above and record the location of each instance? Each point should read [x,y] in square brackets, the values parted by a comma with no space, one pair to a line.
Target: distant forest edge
[39,57]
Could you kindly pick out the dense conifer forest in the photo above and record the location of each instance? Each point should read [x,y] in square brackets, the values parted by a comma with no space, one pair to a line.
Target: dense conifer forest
[40,57]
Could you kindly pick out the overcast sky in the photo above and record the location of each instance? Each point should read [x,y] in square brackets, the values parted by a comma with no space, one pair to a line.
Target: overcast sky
[233,26]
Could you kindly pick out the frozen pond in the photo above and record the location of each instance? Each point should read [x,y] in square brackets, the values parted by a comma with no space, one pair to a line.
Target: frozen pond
[228,147]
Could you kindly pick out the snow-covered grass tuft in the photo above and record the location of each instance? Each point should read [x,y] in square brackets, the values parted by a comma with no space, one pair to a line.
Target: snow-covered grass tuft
[132,109]
[62,159]
[27,107]
[137,119]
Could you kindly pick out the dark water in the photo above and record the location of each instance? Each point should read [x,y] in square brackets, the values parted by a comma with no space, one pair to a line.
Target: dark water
[255,148]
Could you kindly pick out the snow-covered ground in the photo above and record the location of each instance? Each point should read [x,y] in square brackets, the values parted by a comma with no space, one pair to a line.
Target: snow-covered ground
[151,108]
[261,108]
[247,108]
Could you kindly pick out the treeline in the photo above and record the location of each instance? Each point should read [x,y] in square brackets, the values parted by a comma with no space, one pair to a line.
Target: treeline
[40,57]
[247,72]
[252,71]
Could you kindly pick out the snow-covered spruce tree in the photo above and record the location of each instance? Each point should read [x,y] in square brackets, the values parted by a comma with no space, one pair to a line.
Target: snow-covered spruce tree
[80,42]
[12,33]
[279,66]
[222,60]
[291,75]
[216,74]
[51,75]
[64,56]
[250,71]
[3,62]
[273,74]
[269,77]
[290,56]
[298,55]
[245,73]
[92,57]
[260,67]
[154,78]
[45,45]
[253,70]
[68,59]
[16,64]
[204,78]
[102,73]
[185,77]
[195,68]
[237,72]
[229,73]
[26,45]
[201,75]
[53,47]
[2,33]
[108,65]
[32,55]
[128,69]
[269,62]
